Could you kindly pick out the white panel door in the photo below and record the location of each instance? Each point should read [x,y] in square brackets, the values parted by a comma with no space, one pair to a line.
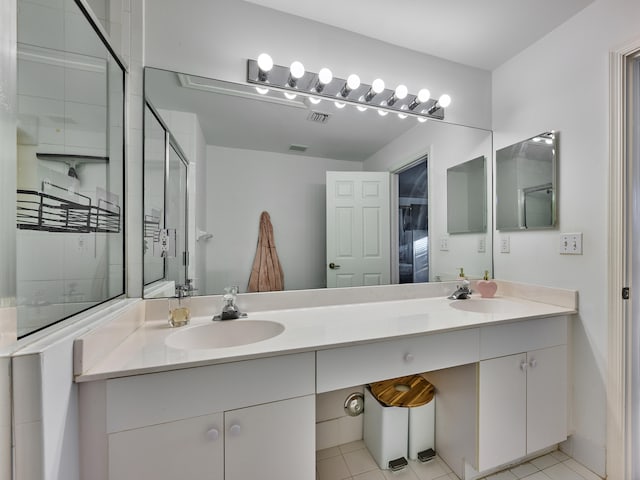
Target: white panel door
[190,449]
[546,397]
[502,410]
[358,229]
[273,441]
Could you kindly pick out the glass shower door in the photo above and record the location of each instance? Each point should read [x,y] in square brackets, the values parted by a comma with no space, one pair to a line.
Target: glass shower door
[176,216]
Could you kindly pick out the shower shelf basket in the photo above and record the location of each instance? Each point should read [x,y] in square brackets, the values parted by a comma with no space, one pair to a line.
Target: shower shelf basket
[49,213]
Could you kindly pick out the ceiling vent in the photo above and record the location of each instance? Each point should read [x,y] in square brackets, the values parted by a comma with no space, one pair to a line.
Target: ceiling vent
[297,148]
[318,117]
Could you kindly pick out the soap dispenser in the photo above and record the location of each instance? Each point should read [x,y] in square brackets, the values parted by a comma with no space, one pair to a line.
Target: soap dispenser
[179,311]
[487,287]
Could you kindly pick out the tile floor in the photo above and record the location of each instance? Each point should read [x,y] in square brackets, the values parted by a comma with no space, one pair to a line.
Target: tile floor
[353,461]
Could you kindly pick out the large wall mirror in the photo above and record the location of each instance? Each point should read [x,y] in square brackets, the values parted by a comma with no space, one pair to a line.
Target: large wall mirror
[526,183]
[70,166]
[250,152]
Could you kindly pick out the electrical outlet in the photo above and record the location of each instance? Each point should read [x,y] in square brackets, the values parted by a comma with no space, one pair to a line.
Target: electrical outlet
[482,244]
[505,244]
[444,244]
[571,243]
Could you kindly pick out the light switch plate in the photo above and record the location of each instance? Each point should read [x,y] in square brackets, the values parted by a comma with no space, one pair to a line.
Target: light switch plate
[571,243]
[444,244]
[482,244]
[505,244]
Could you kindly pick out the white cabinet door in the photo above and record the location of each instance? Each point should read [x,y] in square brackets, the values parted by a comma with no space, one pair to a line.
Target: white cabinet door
[273,441]
[190,449]
[546,397]
[502,410]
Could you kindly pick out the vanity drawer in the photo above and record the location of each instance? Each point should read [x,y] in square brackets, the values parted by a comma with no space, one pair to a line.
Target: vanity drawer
[360,364]
[142,400]
[509,338]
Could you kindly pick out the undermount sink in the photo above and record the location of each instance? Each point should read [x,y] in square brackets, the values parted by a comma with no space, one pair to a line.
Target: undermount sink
[487,305]
[221,334]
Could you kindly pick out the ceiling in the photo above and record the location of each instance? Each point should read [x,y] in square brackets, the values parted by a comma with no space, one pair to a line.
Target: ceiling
[235,116]
[481,34]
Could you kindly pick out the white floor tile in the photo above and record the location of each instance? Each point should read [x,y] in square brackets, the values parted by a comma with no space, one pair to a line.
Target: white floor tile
[373,475]
[560,456]
[584,472]
[430,470]
[404,474]
[327,453]
[333,468]
[544,462]
[524,470]
[561,472]
[352,446]
[537,476]
[505,475]
[360,461]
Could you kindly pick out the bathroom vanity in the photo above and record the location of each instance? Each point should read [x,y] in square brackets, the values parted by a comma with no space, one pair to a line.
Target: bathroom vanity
[149,410]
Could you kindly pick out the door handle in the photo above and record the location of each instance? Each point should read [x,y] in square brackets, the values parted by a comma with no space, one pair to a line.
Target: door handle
[333,266]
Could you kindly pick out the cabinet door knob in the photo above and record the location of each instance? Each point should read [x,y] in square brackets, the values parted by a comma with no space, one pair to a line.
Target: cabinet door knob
[523,365]
[213,434]
[409,357]
[234,429]
[533,363]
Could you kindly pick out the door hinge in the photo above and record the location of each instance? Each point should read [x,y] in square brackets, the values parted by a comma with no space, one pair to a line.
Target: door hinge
[625,293]
[185,259]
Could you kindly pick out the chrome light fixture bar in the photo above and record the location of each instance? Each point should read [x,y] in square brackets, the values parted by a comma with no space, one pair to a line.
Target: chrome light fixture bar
[323,85]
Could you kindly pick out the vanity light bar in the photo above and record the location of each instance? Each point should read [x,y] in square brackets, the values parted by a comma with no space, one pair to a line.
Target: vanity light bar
[348,91]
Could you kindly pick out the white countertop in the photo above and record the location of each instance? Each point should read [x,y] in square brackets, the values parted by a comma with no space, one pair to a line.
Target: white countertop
[307,329]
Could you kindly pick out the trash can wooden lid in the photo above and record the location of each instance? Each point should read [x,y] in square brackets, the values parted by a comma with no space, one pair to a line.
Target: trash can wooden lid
[409,391]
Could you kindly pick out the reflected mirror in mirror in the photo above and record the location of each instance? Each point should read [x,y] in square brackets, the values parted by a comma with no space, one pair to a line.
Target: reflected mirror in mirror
[70,145]
[467,197]
[248,153]
[526,183]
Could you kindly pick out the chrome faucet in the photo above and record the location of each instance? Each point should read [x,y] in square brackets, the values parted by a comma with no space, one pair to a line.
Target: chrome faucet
[462,293]
[230,310]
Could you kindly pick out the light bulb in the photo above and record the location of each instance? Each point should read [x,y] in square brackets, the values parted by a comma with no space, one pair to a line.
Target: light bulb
[340,104]
[402,116]
[424,95]
[297,70]
[401,92]
[361,108]
[422,119]
[315,100]
[290,96]
[382,113]
[353,81]
[265,62]
[537,139]
[262,90]
[378,85]
[444,100]
[548,141]
[325,76]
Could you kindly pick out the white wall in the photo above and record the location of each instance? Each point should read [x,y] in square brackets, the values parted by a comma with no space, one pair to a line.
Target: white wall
[46,417]
[215,39]
[561,83]
[447,145]
[243,183]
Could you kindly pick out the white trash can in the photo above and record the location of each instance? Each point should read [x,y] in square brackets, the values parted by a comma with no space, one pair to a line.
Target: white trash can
[399,420]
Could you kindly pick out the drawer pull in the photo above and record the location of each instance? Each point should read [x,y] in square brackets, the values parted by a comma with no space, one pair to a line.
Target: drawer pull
[213,434]
[409,357]
[523,365]
[533,363]
[235,429]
